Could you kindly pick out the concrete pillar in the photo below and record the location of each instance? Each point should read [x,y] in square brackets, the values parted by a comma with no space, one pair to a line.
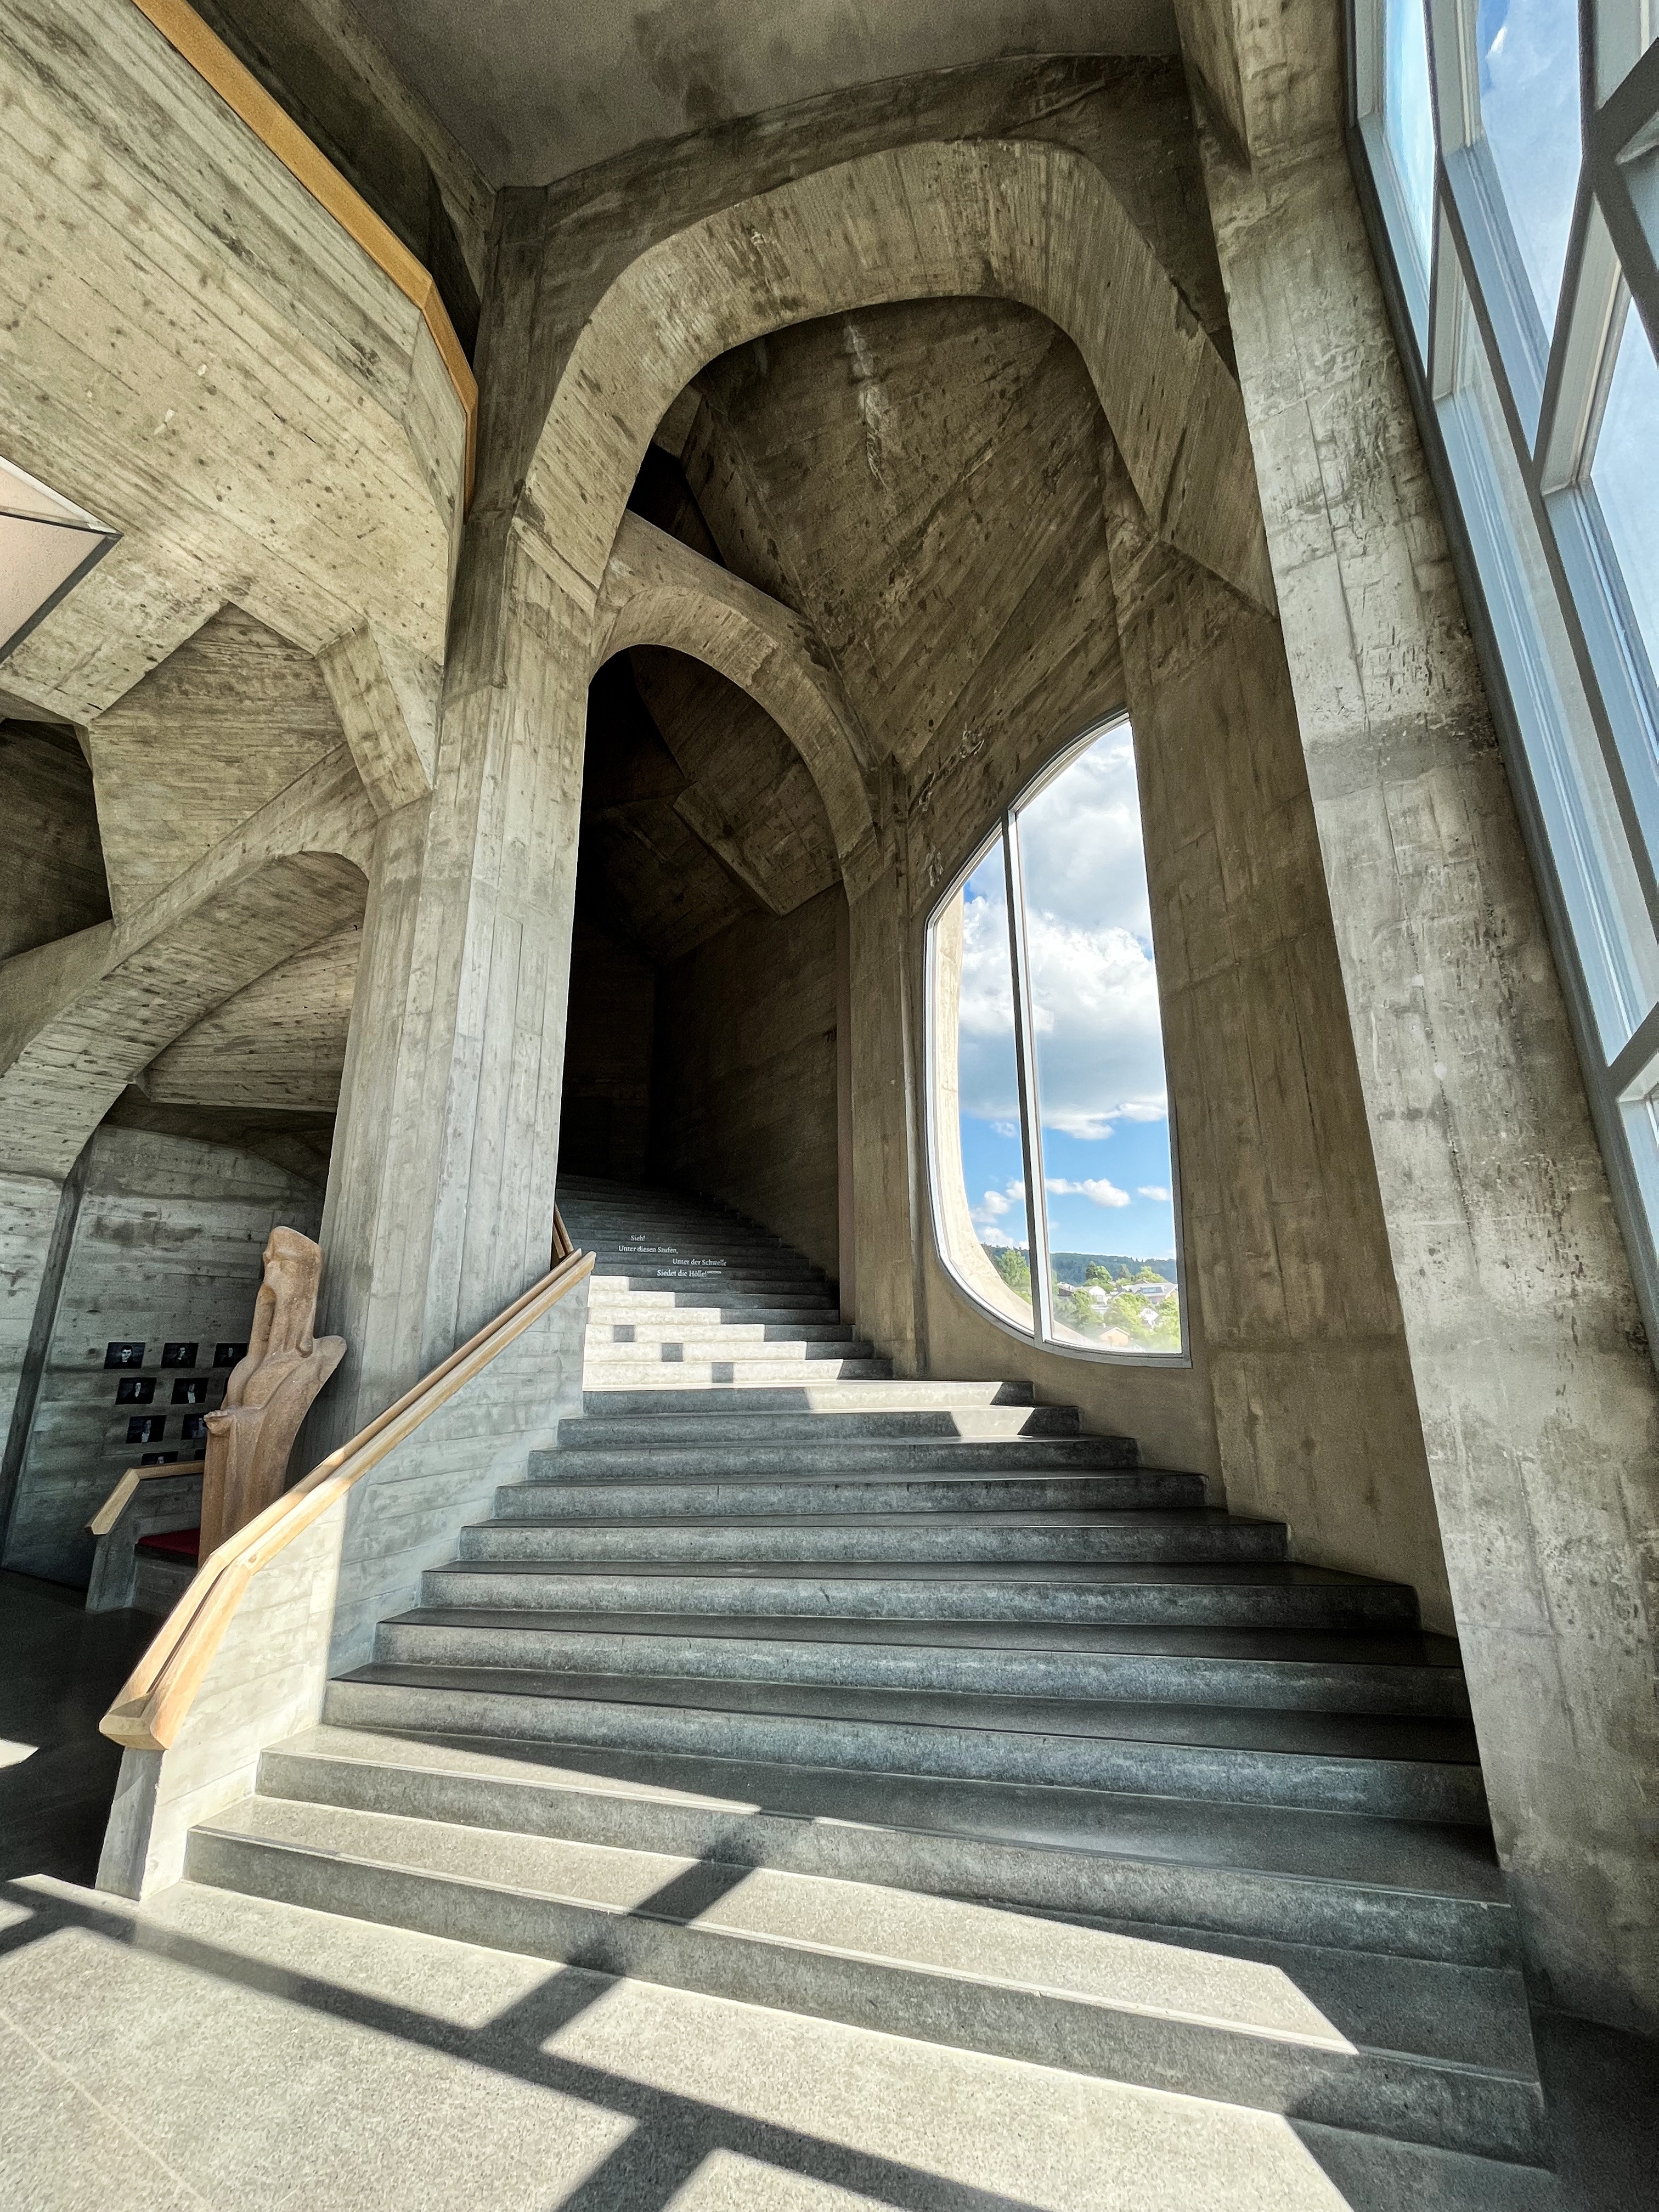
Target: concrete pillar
[1316,1416]
[886,1154]
[440,1208]
[1539,1403]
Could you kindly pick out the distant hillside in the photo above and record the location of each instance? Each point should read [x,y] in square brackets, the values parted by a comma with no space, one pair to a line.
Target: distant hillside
[1074,1266]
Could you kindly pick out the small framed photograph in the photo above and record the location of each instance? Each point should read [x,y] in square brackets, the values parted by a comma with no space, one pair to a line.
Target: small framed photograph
[193,1428]
[135,1390]
[124,1355]
[147,1428]
[158,1459]
[228,1355]
[193,1393]
[179,1355]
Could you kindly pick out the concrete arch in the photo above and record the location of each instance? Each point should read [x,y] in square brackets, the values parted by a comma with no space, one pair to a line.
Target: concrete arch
[109,1001]
[657,591]
[1011,219]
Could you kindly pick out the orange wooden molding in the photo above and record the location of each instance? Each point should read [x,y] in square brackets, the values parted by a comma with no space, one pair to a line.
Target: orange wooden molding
[242,92]
[156,1695]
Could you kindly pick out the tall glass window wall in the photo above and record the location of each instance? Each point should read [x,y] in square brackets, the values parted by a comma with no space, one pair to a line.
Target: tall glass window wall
[1508,154]
[1053,1167]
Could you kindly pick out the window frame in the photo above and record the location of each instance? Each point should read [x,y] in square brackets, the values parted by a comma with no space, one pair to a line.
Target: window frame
[1042,1333]
[1552,403]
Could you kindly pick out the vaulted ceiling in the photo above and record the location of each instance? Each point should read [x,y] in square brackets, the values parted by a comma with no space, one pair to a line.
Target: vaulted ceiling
[921,483]
[536,89]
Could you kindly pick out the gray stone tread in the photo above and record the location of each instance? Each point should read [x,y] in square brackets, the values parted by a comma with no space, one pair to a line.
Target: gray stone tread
[1270,1574]
[1469,2016]
[1264,1646]
[1330,1737]
[881,1394]
[995,1517]
[1422,1857]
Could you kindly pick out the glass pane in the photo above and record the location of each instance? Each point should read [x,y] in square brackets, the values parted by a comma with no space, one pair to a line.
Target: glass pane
[1528,52]
[1409,117]
[979,1158]
[1099,1048]
[1625,475]
[1612,931]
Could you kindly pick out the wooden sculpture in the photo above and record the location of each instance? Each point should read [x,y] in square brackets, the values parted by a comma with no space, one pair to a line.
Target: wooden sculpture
[268,1394]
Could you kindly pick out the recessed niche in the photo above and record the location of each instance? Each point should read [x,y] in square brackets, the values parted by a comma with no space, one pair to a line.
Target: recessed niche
[135,1390]
[226,1355]
[146,1428]
[158,1459]
[179,1355]
[193,1428]
[193,1393]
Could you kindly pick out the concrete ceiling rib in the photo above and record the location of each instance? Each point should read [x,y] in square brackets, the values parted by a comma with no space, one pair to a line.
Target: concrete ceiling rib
[657,591]
[1035,223]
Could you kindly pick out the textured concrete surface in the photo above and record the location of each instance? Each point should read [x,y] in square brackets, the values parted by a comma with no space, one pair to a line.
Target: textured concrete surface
[1535,1382]
[165,1246]
[562,2087]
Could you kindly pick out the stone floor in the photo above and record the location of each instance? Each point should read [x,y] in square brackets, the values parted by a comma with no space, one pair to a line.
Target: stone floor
[214,2050]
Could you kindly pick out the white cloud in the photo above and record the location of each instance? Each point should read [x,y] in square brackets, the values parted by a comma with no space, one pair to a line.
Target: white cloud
[1095,1188]
[1154,1191]
[1099,1047]
[992,1205]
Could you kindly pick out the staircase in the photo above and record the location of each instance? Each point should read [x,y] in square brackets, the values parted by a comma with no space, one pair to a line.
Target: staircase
[911,1706]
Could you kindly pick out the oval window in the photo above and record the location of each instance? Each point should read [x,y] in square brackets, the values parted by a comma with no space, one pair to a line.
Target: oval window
[1051,1154]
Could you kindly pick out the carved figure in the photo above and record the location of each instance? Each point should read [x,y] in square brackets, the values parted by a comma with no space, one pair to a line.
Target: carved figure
[269,1392]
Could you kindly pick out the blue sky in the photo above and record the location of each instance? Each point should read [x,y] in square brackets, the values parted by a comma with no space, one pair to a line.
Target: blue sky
[1099,1044]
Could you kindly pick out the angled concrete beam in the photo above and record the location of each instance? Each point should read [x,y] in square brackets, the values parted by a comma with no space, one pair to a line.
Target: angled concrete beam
[1002,219]
[657,591]
[1209,46]
[386,698]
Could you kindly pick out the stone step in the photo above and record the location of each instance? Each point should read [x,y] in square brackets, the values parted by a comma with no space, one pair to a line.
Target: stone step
[823,1395]
[1392,1767]
[805,1541]
[635,1497]
[1236,1596]
[696,1326]
[715,1424]
[827,1451]
[1173,2012]
[1332,1879]
[614,1291]
[633,1373]
[748,1274]
[682,1347]
[979,1658]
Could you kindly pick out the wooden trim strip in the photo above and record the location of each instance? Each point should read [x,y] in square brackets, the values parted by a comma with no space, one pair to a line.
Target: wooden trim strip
[150,1710]
[242,92]
[116,1503]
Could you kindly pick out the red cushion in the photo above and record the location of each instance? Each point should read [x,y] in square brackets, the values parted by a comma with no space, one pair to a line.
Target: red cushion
[173,1543]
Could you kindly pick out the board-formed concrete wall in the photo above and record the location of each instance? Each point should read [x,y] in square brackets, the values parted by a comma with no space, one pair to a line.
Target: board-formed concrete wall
[52,865]
[1539,1404]
[743,1089]
[604,1125]
[165,1246]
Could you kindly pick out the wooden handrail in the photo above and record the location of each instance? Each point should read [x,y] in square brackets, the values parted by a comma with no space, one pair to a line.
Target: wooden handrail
[116,1503]
[562,1246]
[275,128]
[150,1710]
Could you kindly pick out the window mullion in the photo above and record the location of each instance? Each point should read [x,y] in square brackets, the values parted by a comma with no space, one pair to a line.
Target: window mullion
[1031,1118]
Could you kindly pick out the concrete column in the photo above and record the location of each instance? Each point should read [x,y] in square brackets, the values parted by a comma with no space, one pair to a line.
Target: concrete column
[31,1207]
[1316,1416]
[886,1157]
[440,1208]
[1539,1403]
